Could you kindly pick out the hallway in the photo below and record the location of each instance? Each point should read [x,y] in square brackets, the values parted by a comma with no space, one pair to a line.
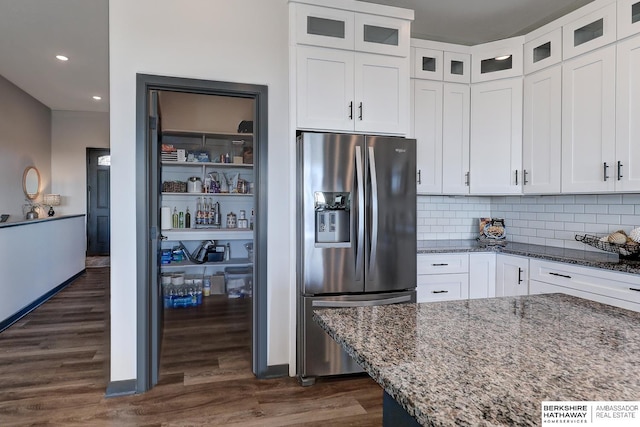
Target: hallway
[54,370]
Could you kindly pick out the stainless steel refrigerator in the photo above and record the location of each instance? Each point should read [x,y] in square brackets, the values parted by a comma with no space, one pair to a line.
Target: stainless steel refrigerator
[356,235]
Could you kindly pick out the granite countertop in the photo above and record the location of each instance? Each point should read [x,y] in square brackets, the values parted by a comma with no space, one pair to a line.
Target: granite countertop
[587,258]
[490,362]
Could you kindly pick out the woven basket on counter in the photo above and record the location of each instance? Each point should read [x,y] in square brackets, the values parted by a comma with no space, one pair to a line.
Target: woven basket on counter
[626,250]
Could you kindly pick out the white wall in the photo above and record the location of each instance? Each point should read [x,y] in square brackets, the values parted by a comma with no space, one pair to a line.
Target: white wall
[227,40]
[25,140]
[72,132]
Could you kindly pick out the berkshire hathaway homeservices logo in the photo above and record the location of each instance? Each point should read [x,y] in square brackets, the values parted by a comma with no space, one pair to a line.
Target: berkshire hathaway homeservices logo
[598,414]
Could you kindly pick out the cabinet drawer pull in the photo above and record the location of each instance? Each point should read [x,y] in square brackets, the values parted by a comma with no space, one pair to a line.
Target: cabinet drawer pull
[439,265]
[516,176]
[634,289]
[351,110]
[467,179]
[440,292]
[560,275]
[360,116]
[419,176]
[524,177]
[606,177]
[519,275]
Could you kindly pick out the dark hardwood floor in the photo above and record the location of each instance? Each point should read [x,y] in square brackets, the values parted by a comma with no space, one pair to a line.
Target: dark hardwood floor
[54,371]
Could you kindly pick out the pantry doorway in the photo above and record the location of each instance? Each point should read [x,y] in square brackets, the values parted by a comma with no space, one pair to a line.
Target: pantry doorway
[149,230]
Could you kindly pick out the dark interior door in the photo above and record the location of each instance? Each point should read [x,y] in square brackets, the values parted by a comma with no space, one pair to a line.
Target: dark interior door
[98,201]
[157,308]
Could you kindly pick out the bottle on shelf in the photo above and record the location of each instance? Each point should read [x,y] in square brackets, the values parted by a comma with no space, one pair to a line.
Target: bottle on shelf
[251,220]
[227,252]
[174,218]
[217,218]
[198,212]
[187,219]
[181,220]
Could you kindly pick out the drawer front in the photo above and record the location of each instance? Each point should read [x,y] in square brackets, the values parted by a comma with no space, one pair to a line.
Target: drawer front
[536,287]
[442,287]
[443,263]
[594,281]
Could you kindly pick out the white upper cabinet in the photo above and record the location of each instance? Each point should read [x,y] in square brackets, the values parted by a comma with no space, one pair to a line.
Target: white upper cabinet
[325,88]
[457,67]
[497,60]
[627,167]
[345,29]
[542,131]
[628,18]
[455,138]
[543,52]
[588,122]
[496,137]
[381,34]
[427,130]
[589,32]
[346,91]
[427,63]
[324,26]
[381,94]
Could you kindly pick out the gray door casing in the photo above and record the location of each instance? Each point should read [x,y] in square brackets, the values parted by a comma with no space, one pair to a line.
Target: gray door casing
[147,229]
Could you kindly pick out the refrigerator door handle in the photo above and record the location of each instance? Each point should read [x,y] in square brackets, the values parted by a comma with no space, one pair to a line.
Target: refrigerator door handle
[373,226]
[367,303]
[359,244]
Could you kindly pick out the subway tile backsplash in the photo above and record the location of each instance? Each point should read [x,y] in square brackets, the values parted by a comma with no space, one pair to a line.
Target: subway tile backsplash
[545,220]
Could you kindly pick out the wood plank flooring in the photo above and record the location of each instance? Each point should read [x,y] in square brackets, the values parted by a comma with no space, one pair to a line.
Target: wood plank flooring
[54,371]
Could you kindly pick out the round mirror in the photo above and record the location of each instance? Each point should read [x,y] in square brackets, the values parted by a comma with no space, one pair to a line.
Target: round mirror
[31,182]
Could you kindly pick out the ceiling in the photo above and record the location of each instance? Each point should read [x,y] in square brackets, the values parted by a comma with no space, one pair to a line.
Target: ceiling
[33,32]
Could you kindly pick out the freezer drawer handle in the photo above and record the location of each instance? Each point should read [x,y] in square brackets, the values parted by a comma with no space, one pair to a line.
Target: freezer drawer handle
[440,264]
[440,292]
[368,303]
[560,275]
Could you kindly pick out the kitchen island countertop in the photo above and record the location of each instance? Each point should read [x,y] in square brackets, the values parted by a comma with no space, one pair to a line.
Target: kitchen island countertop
[492,361]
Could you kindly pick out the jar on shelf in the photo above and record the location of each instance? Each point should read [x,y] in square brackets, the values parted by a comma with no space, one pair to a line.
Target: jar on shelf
[232,221]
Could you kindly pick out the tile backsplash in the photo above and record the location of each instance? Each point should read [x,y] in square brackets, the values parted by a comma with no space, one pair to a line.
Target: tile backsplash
[545,220]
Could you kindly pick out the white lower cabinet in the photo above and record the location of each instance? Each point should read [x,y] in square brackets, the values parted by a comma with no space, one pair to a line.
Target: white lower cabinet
[512,275]
[442,277]
[609,287]
[482,275]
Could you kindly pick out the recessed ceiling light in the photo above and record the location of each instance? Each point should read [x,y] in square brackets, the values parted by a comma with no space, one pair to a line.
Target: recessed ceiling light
[97,98]
[62,57]
[502,58]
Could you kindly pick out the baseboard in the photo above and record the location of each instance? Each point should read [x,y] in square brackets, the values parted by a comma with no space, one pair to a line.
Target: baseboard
[276,371]
[37,303]
[121,388]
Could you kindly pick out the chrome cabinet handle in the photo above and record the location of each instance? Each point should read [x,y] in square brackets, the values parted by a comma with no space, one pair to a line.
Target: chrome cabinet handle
[360,107]
[467,179]
[516,177]
[419,176]
[519,275]
[351,110]
[606,177]
[524,177]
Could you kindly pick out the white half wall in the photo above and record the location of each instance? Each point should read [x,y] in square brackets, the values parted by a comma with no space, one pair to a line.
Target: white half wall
[72,132]
[25,140]
[244,41]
